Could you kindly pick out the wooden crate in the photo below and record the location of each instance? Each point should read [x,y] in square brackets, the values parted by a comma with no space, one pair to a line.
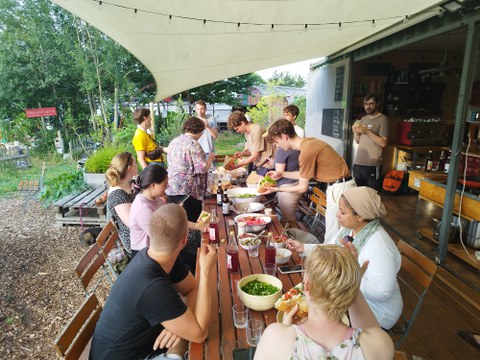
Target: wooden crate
[416,176]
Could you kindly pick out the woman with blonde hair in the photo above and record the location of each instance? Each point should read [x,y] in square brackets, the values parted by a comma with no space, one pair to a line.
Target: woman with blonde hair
[332,283]
[122,169]
[360,209]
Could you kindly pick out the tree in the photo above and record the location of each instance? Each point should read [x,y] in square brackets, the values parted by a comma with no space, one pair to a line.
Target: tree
[286,79]
[225,91]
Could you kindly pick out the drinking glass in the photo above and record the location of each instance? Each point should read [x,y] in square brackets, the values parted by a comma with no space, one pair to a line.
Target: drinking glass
[253,250]
[240,315]
[270,269]
[254,332]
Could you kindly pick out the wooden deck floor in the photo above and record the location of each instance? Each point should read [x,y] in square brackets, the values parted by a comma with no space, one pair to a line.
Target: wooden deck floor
[453,301]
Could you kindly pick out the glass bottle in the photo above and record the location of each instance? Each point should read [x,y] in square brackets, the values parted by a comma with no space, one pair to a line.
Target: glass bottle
[213,228]
[225,204]
[232,253]
[270,250]
[441,161]
[447,164]
[219,193]
[429,161]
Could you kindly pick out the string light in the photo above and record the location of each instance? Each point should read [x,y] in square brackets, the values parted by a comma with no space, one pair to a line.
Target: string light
[273,27]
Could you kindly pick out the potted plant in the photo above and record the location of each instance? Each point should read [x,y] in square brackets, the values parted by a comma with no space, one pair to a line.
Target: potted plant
[97,164]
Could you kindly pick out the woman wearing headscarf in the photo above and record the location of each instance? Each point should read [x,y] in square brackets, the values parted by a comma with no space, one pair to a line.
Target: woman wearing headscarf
[359,212]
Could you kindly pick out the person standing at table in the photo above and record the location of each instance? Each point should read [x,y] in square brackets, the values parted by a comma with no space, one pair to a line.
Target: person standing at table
[144,310]
[210,134]
[371,135]
[257,149]
[317,160]
[290,113]
[148,149]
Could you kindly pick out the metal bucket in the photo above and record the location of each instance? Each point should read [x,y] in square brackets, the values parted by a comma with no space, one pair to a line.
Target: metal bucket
[454,235]
[473,235]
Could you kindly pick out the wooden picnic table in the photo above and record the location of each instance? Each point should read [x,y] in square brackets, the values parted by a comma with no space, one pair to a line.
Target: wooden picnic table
[223,337]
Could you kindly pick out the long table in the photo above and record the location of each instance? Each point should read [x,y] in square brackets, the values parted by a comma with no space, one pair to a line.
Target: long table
[223,337]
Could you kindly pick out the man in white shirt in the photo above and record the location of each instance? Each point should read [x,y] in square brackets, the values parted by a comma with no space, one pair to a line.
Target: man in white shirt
[207,140]
[290,113]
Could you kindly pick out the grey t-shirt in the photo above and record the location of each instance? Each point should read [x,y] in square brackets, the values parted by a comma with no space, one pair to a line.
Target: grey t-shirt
[290,159]
[206,141]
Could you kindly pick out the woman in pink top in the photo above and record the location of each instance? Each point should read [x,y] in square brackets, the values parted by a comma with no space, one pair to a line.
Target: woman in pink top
[151,183]
[332,282]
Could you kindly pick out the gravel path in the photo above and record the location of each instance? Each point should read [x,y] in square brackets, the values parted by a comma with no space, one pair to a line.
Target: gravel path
[38,289]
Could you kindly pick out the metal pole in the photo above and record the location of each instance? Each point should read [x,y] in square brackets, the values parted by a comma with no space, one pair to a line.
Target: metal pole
[471,47]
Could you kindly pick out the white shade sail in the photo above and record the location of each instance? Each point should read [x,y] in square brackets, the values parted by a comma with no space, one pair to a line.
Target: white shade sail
[188,43]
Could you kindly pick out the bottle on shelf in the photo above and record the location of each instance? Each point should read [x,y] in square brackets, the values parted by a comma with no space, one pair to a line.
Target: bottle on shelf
[442,161]
[232,253]
[225,204]
[429,161]
[270,251]
[219,193]
[213,228]
[447,164]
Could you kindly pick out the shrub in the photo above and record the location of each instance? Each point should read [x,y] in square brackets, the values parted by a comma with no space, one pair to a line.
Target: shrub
[100,160]
[61,186]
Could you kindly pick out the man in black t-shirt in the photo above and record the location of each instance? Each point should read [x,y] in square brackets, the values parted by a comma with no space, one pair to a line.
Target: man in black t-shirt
[144,310]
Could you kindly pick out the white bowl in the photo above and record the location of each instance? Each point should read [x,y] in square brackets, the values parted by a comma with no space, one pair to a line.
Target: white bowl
[233,195]
[282,256]
[260,303]
[242,208]
[279,244]
[253,228]
[246,236]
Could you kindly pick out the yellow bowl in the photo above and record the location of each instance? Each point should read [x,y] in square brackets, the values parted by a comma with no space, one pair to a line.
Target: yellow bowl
[255,302]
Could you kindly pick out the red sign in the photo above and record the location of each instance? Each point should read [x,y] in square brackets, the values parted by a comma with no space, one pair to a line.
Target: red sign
[39,112]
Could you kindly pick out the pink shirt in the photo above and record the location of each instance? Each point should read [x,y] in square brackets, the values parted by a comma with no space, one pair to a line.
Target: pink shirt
[140,214]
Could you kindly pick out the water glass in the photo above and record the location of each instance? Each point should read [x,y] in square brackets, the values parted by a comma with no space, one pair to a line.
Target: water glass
[254,331]
[240,315]
[270,269]
[253,250]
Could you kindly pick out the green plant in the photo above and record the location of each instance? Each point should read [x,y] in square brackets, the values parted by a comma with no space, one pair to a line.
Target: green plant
[173,124]
[100,160]
[61,186]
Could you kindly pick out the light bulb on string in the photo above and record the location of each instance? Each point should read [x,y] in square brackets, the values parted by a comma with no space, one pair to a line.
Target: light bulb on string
[272,28]
[135,12]
[406,19]
[170,19]
[373,23]
[204,23]
[305,28]
[340,26]
[238,26]
[99,4]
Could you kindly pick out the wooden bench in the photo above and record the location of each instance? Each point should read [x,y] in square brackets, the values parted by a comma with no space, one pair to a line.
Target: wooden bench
[81,209]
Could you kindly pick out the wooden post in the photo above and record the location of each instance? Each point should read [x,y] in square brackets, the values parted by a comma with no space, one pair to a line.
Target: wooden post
[152,115]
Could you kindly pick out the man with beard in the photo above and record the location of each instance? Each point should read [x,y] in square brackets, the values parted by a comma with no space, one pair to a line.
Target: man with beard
[371,135]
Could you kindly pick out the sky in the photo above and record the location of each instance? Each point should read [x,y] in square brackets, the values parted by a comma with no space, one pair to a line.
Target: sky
[301,68]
